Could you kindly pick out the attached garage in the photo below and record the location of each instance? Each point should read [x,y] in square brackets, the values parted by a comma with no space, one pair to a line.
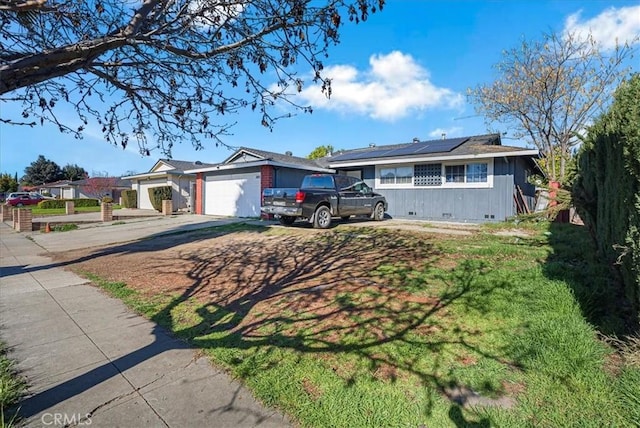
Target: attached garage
[144,202]
[166,172]
[234,187]
[234,195]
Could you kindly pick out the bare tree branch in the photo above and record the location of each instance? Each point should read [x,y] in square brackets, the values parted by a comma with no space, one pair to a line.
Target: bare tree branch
[165,70]
[548,92]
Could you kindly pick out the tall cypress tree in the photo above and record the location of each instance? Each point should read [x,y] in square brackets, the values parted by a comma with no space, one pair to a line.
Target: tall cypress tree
[607,189]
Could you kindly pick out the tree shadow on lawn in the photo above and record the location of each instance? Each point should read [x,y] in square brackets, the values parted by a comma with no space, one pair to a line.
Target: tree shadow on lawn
[370,294]
[166,240]
[373,295]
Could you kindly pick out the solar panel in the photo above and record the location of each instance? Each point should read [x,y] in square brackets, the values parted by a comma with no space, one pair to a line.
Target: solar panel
[441,146]
[360,155]
[423,147]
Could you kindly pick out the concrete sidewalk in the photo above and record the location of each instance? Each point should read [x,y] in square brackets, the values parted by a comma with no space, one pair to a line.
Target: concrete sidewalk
[89,360]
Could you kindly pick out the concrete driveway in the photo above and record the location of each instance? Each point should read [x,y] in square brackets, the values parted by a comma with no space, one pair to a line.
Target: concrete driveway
[89,360]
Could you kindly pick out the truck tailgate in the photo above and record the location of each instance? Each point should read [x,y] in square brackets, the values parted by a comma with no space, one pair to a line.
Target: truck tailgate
[279,197]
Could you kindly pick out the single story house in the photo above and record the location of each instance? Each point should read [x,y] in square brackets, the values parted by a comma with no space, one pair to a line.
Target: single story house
[95,187]
[467,179]
[61,189]
[167,172]
[234,187]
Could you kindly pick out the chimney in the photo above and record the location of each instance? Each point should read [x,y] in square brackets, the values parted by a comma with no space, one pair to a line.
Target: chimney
[372,144]
[444,135]
[288,153]
[416,140]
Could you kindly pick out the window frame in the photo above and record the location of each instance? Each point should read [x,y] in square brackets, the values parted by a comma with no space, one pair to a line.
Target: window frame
[469,184]
[379,184]
[443,166]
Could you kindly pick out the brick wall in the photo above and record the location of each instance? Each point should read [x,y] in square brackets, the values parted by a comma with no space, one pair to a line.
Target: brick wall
[267,179]
[199,200]
[267,176]
[24,220]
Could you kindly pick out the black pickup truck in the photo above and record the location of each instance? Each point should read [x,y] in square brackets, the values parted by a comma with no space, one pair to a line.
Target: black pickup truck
[321,197]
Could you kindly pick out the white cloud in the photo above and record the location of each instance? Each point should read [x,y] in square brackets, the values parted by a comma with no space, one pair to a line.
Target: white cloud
[449,132]
[395,86]
[621,25]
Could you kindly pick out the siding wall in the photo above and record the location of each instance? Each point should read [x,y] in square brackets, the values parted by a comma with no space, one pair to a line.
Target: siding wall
[288,177]
[181,187]
[460,205]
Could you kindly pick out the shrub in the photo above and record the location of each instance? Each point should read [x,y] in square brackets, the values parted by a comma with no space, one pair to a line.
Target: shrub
[107,200]
[607,190]
[159,194]
[60,203]
[64,227]
[130,198]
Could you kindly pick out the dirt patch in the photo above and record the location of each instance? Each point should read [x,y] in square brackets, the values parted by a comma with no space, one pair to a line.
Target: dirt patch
[312,390]
[278,286]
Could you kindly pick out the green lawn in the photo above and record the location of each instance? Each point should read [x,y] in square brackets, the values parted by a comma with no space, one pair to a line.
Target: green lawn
[11,388]
[515,319]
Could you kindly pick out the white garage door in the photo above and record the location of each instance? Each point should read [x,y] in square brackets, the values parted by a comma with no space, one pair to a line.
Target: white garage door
[144,202]
[235,195]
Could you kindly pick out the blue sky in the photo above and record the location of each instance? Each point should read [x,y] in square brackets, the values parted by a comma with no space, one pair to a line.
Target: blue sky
[402,74]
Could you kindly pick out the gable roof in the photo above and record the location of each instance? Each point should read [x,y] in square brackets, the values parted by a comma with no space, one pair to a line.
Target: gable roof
[477,146]
[59,183]
[117,181]
[180,165]
[246,157]
[164,167]
[278,157]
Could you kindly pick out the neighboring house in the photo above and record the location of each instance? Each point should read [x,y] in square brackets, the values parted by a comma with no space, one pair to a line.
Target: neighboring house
[167,172]
[234,187]
[91,188]
[468,179]
[57,189]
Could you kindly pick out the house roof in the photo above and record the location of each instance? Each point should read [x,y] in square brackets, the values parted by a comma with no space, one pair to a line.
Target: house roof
[59,183]
[488,145]
[278,157]
[180,165]
[174,167]
[246,157]
[119,182]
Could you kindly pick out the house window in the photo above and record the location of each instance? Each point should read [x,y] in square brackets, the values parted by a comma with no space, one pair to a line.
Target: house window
[466,173]
[397,175]
[429,174]
[454,173]
[477,173]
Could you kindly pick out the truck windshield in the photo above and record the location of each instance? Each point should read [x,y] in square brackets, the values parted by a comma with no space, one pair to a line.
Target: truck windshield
[317,182]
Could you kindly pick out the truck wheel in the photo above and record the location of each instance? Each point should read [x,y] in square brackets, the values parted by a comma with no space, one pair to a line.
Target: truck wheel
[286,220]
[322,218]
[378,212]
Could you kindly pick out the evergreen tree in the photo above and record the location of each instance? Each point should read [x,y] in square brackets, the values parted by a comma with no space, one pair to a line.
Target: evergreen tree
[42,171]
[8,183]
[607,188]
[320,152]
[74,172]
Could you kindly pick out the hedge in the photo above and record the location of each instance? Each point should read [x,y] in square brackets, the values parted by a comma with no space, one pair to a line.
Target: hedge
[607,189]
[129,198]
[61,203]
[158,194]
